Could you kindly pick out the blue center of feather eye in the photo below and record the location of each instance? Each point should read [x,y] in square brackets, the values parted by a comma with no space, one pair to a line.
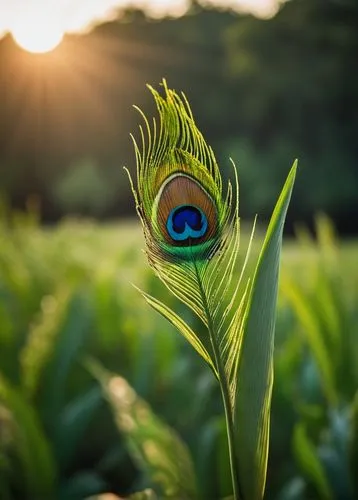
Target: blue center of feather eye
[186,221]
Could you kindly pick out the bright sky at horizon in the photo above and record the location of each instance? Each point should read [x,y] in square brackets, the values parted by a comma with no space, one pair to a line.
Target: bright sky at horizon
[76,15]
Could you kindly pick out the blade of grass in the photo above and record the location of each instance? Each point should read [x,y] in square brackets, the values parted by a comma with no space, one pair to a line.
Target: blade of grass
[30,444]
[155,447]
[255,371]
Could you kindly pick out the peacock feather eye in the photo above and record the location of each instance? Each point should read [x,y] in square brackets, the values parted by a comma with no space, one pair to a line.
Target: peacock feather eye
[185,212]
[187,222]
[180,197]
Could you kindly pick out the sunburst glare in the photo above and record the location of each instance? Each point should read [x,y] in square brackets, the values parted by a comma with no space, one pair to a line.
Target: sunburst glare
[37,29]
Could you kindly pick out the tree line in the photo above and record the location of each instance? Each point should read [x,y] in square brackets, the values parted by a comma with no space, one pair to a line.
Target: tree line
[263,92]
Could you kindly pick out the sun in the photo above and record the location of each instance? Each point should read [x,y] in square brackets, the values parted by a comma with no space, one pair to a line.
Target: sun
[37,40]
[37,33]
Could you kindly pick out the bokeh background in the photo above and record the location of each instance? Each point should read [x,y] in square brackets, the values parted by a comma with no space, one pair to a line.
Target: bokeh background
[268,82]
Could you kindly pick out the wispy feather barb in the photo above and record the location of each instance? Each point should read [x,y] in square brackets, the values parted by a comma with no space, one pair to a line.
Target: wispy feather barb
[192,232]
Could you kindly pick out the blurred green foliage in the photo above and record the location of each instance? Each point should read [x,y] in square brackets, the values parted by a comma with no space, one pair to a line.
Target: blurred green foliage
[66,297]
[262,91]
[83,189]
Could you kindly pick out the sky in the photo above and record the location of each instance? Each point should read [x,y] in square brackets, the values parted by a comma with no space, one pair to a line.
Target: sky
[77,15]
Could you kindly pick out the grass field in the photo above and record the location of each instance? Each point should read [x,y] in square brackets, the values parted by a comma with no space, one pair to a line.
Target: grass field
[67,303]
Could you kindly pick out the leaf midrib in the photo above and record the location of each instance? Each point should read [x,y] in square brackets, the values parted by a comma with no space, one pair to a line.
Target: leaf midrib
[224,388]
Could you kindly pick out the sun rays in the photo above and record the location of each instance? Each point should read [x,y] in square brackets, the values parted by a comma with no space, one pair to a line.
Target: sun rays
[37,26]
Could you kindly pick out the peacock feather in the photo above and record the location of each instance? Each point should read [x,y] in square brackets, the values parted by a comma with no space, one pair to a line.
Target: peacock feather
[192,232]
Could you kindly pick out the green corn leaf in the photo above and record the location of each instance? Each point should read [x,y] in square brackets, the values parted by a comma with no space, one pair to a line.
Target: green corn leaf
[73,422]
[41,341]
[70,340]
[313,332]
[30,445]
[155,447]
[255,371]
[306,456]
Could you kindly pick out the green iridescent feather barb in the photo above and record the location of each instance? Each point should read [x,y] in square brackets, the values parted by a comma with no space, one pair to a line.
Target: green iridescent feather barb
[192,231]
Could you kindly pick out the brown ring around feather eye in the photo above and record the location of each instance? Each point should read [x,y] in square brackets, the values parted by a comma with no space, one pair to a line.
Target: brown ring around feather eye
[179,190]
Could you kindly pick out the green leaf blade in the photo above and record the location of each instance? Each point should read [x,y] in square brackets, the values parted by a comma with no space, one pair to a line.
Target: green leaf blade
[182,327]
[255,371]
[154,446]
[307,458]
[34,456]
[306,313]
